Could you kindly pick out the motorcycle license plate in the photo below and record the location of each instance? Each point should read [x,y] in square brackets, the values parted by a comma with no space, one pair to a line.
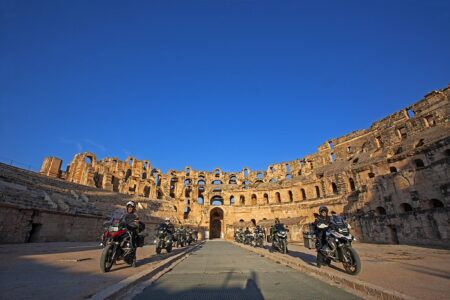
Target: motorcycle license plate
[113,228]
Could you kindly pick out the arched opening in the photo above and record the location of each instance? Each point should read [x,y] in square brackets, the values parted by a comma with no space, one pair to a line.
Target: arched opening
[317,191]
[188,171]
[159,194]
[352,184]
[231,200]
[419,163]
[175,208]
[288,168]
[115,183]
[254,199]
[288,176]
[334,188]
[405,207]
[291,196]
[200,200]
[98,180]
[144,175]
[245,172]
[201,186]
[216,201]
[302,191]
[266,198]
[278,197]
[217,173]
[216,182]
[242,200]
[381,211]
[273,180]
[147,191]
[435,203]
[127,174]
[216,222]
[88,160]
[187,182]
[254,222]
[232,180]
[260,176]
[393,169]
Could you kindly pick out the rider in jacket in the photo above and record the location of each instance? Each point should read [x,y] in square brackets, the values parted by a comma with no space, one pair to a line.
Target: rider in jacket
[169,227]
[131,220]
[321,225]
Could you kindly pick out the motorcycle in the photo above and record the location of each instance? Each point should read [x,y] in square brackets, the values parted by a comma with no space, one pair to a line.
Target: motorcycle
[258,239]
[176,238]
[338,246]
[248,239]
[117,242]
[163,239]
[189,237]
[279,239]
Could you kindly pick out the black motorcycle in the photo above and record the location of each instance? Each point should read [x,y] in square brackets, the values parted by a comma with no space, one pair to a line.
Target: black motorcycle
[338,246]
[248,238]
[176,238]
[163,239]
[258,238]
[279,239]
[120,243]
[189,237]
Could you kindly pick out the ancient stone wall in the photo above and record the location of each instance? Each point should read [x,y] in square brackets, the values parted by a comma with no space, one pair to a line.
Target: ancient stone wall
[37,208]
[393,172]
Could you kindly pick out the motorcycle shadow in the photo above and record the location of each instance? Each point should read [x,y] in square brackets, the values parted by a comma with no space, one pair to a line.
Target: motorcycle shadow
[311,260]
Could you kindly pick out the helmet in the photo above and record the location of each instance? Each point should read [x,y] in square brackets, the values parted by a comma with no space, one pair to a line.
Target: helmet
[131,203]
[323,208]
[167,220]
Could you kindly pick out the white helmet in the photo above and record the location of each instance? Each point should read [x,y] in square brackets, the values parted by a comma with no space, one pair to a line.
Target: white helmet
[167,219]
[131,203]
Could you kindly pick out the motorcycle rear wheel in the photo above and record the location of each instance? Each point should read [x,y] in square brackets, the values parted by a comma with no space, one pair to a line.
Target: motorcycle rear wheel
[169,248]
[353,267]
[158,250]
[106,259]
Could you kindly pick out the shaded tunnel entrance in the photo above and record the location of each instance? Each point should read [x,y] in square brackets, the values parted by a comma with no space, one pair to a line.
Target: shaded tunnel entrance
[216,223]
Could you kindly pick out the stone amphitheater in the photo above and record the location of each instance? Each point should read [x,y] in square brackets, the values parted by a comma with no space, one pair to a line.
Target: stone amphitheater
[391,181]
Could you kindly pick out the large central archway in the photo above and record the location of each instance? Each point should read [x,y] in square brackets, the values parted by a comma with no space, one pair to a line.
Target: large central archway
[216,223]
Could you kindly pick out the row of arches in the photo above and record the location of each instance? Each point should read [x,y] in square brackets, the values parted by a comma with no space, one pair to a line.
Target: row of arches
[406,207]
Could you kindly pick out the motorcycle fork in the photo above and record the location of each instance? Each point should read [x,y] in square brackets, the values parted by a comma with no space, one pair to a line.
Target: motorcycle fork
[340,254]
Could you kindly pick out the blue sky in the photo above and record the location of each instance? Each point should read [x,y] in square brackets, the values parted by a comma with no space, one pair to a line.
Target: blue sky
[209,83]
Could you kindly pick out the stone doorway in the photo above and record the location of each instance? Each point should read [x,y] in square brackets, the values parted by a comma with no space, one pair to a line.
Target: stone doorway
[392,234]
[216,223]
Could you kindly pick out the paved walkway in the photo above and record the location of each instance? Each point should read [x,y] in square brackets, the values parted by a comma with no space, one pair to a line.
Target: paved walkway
[221,270]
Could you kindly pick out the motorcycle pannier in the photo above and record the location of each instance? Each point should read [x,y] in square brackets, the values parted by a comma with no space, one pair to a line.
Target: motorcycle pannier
[309,240]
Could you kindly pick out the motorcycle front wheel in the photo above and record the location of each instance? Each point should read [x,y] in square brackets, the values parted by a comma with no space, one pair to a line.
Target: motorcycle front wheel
[106,260]
[353,266]
[283,247]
